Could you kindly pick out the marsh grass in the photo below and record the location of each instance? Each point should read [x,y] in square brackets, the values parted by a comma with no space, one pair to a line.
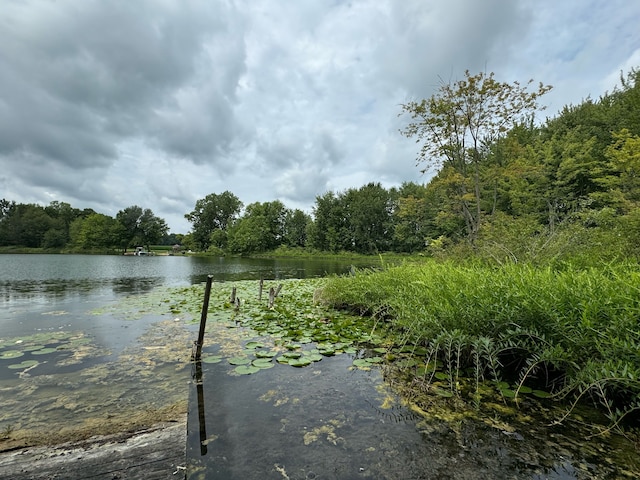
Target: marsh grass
[574,333]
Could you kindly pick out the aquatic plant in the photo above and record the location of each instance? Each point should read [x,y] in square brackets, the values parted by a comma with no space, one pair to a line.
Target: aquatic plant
[571,333]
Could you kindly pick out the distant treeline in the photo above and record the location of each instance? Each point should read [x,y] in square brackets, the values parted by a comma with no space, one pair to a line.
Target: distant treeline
[565,190]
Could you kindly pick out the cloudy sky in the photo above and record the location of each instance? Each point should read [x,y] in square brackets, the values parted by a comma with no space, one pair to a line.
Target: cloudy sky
[158,103]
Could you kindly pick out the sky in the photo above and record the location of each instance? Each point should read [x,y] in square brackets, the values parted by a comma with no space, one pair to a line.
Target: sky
[158,103]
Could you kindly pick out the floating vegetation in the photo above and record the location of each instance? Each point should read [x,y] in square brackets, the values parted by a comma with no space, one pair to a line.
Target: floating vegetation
[211,358]
[23,365]
[11,354]
[44,351]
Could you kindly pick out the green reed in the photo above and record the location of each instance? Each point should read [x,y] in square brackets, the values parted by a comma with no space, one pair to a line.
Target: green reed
[575,331]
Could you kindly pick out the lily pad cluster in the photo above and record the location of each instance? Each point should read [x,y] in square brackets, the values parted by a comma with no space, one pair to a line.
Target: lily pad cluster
[294,332]
[37,348]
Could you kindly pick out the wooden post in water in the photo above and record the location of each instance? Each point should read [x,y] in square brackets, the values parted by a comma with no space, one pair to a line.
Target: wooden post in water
[201,418]
[232,300]
[261,287]
[273,293]
[203,318]
[272,297]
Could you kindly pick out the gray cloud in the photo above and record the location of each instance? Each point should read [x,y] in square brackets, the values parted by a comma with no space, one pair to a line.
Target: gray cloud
[159,103]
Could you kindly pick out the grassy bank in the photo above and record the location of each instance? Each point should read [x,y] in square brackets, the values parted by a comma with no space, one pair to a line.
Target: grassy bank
[573,333]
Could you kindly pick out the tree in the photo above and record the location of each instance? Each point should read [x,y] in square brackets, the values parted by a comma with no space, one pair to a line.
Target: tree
[261,228]
[459,123]
[214,212]
[369,224]
[295,228]
[410,218]
[140,227]
[97,232]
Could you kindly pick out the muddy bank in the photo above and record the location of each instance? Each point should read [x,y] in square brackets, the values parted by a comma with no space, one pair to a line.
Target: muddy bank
[152,453]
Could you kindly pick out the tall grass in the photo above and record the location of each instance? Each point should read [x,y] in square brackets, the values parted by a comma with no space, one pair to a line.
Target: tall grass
[575,331]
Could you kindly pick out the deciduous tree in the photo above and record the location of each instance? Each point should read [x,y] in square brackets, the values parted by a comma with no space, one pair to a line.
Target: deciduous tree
[458,124]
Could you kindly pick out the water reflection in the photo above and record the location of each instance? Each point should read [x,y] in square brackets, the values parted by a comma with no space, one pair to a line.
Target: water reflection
[202,424]
[25,277]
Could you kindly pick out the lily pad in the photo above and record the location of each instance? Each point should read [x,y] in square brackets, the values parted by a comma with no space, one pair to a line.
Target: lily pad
[212,359]
[239,360]
[300,362]
[327,352]
[314,357]
[263,363]
[10,354]
[246,369]
[251,345]
[361,362]
[25,364]
[31,348]
[292,355]
[44,351]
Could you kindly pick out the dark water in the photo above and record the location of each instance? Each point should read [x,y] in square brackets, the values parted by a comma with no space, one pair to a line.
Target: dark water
[331,421]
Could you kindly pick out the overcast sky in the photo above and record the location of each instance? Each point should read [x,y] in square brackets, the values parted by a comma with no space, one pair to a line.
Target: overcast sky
[158,103]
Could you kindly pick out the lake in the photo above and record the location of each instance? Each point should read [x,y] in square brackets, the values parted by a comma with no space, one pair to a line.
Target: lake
[85,340]
[96,344]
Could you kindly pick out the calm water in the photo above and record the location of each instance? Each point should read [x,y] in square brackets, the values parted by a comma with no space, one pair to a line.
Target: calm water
[36,289]
[87,342]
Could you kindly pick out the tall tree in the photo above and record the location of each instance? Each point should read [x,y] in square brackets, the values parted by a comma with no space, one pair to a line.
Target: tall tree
[295,228]
[370,223]
[261,228]
[96,232]
[459,123]
[214,212]
[140,227]
[329,230]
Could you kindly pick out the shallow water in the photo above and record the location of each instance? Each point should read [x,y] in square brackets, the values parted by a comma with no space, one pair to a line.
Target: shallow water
[331,421]
[88,342]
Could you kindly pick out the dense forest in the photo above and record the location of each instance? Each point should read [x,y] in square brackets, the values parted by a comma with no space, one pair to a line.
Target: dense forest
[506,189]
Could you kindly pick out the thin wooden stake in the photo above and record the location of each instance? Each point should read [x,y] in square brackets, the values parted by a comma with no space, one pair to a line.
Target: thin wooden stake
[232,300]
[203,318]
[272,297]
[261,287]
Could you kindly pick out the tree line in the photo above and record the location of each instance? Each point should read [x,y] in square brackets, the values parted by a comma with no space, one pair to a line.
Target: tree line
[59,226]
[506,188]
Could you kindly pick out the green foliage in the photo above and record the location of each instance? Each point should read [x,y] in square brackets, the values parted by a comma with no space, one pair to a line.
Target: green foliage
[214,212]
[95,233]
[140,227]
[573,332]
[458,125]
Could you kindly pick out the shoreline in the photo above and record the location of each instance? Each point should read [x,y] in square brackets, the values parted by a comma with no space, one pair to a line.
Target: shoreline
[155,452]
